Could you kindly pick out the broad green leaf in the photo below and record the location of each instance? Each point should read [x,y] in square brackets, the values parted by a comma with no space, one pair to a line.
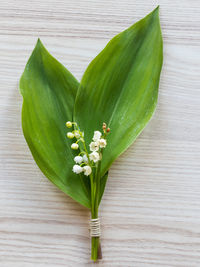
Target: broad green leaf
[120,86]
[49,91]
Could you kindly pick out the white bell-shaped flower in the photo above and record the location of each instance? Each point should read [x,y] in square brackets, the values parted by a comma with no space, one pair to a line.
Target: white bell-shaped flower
[94,146]
[70,135]
[94,156]
[97,136]
[74,146]
[102,143]
[77,169]
[87,170]
[78,159]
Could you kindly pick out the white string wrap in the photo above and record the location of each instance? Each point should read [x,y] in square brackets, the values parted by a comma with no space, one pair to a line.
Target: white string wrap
[95,230]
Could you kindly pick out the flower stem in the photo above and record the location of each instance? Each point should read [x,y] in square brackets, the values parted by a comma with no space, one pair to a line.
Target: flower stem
[95,191]
[95,245]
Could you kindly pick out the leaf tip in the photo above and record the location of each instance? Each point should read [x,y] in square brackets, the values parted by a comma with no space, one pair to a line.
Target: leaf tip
[39,43]
[156,10]
[154,15]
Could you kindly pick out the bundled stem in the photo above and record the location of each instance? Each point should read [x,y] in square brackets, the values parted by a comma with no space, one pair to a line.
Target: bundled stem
[95,192]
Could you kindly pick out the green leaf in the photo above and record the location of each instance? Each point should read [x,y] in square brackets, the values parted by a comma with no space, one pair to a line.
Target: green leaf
[120,87]
[48,91]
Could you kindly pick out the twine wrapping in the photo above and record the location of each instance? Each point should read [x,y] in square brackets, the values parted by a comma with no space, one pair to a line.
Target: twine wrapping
[95,230]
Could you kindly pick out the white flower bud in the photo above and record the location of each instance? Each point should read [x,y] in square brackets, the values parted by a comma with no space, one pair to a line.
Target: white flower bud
[78,159]
[87,170]
[77,169]
[97,136]
[94,146]
[85,159]
[74,146]
[69,124]
[102,143]
[94,156]
[70,135]
[77,134]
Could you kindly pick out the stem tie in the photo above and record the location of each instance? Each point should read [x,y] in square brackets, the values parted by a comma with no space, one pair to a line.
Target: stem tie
[95,230]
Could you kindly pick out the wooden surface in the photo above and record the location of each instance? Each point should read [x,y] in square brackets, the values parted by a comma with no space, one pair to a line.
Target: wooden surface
[151,207]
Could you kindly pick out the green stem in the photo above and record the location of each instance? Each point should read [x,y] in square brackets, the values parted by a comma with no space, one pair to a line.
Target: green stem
[95,191]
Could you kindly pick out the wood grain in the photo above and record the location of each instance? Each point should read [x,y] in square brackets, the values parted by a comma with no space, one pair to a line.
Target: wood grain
[151,208]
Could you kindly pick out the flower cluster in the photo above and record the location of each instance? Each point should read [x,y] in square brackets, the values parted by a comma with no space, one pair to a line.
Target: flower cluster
[86,161]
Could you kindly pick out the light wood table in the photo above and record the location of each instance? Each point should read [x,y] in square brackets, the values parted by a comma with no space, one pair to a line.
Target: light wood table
[151,207]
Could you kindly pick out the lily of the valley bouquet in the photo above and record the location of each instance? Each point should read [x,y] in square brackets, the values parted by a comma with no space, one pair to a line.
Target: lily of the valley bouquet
[76,130]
